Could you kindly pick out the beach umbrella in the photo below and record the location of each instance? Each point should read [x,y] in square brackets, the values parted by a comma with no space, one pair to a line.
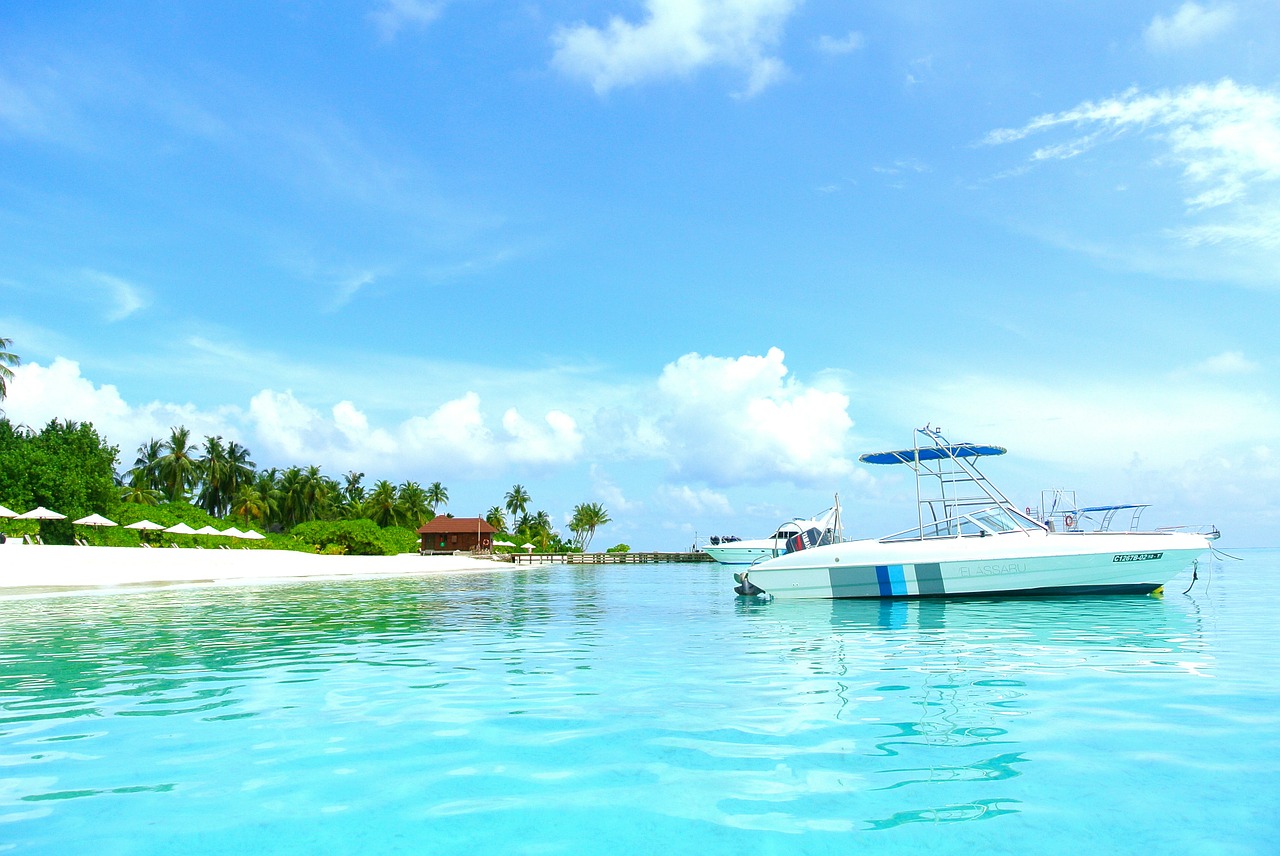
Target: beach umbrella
[146,526]
[41,513]
[503,544]
[95,520]
[233,532]
[527,546]
[253,535]
[207,530]
[4,512]
[180,529]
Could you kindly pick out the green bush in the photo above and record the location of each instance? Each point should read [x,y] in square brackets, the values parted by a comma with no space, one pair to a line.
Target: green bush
[355,537]
[619,548]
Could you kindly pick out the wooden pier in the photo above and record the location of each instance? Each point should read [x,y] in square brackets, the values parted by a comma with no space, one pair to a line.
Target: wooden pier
[602,558]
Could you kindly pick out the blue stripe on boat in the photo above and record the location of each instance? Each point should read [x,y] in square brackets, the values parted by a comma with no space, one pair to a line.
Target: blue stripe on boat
[882,577]
[897,581]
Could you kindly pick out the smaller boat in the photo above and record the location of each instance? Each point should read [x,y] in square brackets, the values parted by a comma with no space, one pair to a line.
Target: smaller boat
[818,530]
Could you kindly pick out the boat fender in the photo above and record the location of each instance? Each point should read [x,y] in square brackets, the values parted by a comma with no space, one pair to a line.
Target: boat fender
[1069,520]
[745,587]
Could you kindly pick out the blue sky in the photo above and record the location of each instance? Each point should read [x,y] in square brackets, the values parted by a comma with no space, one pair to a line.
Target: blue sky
[688,258]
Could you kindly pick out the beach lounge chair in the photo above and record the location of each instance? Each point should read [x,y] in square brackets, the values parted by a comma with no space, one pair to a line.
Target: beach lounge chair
[31,539]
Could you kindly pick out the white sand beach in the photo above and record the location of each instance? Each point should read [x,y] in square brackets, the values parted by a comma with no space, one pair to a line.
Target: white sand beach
[28,567]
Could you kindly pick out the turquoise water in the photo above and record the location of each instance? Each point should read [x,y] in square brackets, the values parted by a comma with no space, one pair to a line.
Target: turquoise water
[639,709]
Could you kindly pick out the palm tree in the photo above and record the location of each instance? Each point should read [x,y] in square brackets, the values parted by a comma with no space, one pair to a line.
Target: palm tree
[381,504]
[594,516]
[213,477]
[413,504]
[178,468]
[353,490]
[7,359]
[139,494]
[517,501]
[251,504]
[240,470]
[437,495]
[266,486]
[496,519]
[146,467]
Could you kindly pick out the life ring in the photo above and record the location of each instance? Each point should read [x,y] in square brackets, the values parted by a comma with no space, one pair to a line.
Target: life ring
[1028,511]
[1069,520]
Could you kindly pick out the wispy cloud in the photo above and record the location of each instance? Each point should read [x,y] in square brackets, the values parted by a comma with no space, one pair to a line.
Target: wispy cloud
[839,46]
[1224,136]
[677,39]
[126,298]
[392,16]
[1192,25]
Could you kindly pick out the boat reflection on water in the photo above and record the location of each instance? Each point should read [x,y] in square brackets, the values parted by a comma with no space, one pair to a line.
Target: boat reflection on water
[955,706]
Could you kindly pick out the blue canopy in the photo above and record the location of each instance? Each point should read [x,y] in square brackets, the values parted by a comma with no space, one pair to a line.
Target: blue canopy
[1111,507]
[932,453]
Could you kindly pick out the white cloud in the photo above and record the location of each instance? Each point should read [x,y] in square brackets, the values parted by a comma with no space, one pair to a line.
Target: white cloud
[845,45]
[740,420]
[1228,363]
[690,501]
[1224,136]
[58,391]
[392,16]
[677,39]
[1190,26]
[126,298]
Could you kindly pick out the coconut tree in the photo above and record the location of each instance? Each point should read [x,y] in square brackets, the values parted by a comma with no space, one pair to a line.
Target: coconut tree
[250,504]
[137,493]
[146,466]
[7,359]
[266,487]
[517,501]
[213,496]
[178,467]
[240,470]
[437,495]
[413,504]
[594,516]
[496,519]
[380,507]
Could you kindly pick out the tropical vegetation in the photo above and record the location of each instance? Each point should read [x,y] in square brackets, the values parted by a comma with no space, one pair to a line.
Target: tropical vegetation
[213,480]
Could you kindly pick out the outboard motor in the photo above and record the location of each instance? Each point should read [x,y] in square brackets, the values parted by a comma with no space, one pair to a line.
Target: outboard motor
[745,587]
[803,540]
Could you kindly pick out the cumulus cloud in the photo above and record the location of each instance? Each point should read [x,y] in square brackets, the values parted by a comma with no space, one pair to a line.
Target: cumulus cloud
[40,393]
[1190,26]
[741,420]
[392,16]
[453,438]
[1224,136]
[677,39]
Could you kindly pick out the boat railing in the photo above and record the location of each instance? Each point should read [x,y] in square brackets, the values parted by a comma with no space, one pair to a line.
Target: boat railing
[981,523]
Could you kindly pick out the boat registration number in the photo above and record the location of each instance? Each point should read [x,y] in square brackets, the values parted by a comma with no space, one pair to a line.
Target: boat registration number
[1136,557]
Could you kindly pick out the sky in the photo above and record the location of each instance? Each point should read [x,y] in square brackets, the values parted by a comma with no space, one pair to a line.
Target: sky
[685,258]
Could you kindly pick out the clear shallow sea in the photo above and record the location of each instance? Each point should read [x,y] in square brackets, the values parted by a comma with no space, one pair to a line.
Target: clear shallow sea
[640,709]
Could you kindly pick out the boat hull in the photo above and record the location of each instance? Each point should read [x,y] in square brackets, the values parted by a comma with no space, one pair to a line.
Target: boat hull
[743,552]
[1035,564]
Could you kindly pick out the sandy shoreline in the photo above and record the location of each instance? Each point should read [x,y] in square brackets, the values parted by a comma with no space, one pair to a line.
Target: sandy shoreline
[29,569]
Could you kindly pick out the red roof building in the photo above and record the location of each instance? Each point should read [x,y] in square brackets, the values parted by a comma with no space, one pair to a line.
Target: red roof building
[450,534]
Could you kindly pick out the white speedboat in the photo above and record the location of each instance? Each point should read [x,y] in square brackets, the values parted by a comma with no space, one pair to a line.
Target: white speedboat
[972,541]
[736,551]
